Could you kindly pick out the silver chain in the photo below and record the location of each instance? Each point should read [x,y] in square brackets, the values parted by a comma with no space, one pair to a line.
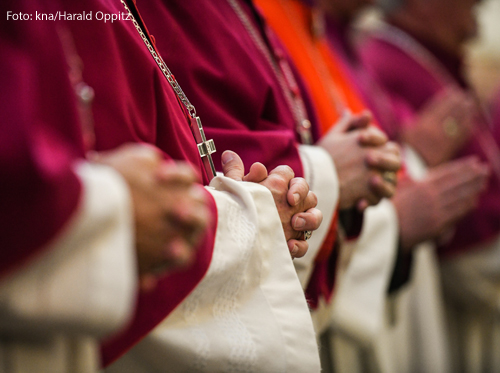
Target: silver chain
[163,66]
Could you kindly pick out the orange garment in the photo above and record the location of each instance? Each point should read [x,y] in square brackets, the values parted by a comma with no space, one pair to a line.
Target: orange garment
[330,87]
[324,74]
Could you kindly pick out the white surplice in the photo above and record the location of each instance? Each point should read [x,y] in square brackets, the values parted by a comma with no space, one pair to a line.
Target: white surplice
[248,314]
[403,332]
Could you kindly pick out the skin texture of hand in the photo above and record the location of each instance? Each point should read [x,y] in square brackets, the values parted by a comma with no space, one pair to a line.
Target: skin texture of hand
[361,153]
[295,203]
[428,208]
[443,126]
[169,208]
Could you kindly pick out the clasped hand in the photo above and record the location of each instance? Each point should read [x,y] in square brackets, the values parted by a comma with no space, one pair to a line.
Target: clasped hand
[294,201]
[170,208]
[361,154]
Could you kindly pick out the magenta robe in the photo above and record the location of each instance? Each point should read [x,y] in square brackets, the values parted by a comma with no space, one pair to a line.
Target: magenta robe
[40,138]
[226,77]
[235,90]
[134,103]
[411,86]
[338,34]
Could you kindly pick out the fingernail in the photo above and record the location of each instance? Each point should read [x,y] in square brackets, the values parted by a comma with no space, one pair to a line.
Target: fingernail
[296,198]
[295,250]
[299,223]
[227,157]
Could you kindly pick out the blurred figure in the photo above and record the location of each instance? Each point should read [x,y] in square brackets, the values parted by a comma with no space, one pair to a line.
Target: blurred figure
[69,259]
[336,79]
[417,56]
[366,263]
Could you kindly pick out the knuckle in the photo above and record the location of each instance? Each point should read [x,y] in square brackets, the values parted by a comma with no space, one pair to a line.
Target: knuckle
[319,218]
[312,198]
[285,171]
[301,185]
[303,248]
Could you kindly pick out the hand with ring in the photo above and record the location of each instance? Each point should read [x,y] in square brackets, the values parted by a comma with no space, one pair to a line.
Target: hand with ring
[361,152]
[295,203]
[442,127]
[390,177]
[307,235]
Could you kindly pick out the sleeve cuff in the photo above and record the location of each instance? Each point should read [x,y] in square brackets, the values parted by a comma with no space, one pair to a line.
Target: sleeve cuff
[86,278]
[362,284]
[320,173]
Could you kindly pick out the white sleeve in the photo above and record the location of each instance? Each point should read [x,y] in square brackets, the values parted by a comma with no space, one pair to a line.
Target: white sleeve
[249,312]
[85,280]
[320,173]
[366,266]
[359,302]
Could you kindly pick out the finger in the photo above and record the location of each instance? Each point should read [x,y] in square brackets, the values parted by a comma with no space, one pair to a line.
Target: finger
[132,154]
[147,282]
[307,221]
[298,191]
[464,191]
[362,204]
[459,172]
[285,172]
[383,160]
[188,219]
[372,136]
[298,248]
[310,202]
[451,170]
[188,223]
[179,253]
[176,173]
[257,173]
[360,121]
[232,165]
[392,147]
[380,188]
[459,208]
[344,123]
[141,150]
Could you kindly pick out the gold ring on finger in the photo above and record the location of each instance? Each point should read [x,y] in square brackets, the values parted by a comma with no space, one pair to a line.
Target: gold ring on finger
[390,177]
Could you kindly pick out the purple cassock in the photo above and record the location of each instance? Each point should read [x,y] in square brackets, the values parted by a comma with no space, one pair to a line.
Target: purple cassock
[40,138]
[231,82]
[338,34]
[412,72]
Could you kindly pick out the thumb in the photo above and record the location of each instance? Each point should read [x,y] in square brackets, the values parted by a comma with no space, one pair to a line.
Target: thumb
[360,121]
[232,165]
[257,173]
[349,121]
[342,125]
